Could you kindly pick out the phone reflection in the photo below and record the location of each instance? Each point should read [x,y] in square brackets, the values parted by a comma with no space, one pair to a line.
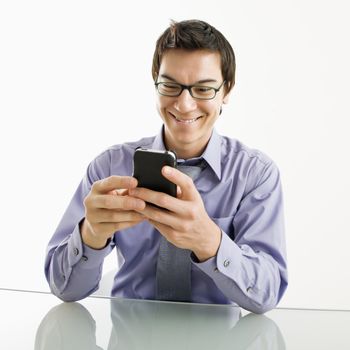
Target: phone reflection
[139,324]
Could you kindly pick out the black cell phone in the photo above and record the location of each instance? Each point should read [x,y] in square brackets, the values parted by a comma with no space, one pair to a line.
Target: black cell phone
[147,169]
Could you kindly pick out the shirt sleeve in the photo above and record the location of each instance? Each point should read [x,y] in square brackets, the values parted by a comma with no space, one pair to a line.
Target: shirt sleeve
[251,268]
[72,269]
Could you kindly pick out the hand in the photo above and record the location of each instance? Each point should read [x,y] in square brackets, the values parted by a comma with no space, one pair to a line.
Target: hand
[109,208]
[185,223]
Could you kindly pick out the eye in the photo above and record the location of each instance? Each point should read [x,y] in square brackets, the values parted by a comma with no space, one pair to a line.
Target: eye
[169,86]
[202,91]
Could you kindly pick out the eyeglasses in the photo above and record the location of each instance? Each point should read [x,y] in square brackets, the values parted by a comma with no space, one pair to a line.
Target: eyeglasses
[199,92]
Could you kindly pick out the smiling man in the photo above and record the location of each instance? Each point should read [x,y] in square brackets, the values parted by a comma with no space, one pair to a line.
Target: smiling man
[221,240]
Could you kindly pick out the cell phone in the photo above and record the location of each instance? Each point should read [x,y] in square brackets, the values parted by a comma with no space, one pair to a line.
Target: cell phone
[147,169]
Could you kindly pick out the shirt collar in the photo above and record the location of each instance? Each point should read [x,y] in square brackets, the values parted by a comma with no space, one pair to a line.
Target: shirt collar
[211,154]
[158,142]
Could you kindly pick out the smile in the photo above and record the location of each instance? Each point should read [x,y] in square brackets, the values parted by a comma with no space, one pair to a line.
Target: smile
[185,121]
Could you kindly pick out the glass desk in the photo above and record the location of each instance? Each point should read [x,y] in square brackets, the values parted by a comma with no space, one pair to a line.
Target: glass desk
[34,320]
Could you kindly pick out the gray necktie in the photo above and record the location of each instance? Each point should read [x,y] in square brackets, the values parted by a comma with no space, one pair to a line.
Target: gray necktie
[173,276]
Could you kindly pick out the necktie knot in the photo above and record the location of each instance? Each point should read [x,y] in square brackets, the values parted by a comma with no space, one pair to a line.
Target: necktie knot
[192,168]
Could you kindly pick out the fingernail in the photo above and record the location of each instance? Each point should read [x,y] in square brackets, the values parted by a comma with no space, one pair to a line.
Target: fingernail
[167,170]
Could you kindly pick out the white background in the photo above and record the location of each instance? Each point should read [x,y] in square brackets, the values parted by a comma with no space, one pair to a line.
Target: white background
[67,69]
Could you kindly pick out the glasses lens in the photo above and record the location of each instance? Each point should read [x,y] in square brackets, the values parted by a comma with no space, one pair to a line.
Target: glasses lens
[169,89]
[203,92]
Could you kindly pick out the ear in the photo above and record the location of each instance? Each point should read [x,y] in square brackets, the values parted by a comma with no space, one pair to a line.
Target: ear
[227,96]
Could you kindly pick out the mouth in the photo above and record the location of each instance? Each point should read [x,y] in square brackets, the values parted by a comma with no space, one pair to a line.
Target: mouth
[185,121]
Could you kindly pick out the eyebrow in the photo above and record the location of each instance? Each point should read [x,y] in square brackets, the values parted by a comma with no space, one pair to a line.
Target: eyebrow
[202,81]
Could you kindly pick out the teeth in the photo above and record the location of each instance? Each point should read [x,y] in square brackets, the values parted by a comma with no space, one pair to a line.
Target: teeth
[186,121]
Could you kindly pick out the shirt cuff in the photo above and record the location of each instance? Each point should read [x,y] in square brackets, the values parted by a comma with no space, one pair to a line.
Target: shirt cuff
[78,252]
[226,260]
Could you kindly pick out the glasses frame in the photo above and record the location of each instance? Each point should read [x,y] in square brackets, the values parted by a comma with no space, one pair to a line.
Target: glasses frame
[189,88]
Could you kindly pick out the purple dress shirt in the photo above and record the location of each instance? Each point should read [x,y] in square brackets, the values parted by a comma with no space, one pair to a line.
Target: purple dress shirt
[241,191]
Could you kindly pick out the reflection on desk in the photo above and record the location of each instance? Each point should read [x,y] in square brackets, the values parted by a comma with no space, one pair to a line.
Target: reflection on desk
[67,326]
[140,324]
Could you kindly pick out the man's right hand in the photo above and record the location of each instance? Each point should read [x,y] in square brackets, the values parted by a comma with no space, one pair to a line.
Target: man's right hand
[109,208]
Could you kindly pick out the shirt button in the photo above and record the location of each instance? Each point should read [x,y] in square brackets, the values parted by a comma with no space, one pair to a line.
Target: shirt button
[85,258]
[76,251]
[226,263]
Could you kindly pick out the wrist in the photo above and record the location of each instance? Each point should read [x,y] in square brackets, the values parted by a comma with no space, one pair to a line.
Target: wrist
[210,249]
[89,238]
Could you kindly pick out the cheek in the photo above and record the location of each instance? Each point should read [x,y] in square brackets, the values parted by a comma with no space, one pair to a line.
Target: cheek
[160,106]
[212,108]
[162,103]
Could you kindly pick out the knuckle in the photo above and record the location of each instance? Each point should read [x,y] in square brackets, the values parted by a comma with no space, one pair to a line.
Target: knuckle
[88,217]
[191,212]
[163,200]
[185,226]
[156,216]
[174,235]
[88,200]
[188,182]
[96,185]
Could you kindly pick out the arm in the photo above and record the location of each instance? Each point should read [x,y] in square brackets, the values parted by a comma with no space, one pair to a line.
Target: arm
[251,270]
[72,269]
[77,249]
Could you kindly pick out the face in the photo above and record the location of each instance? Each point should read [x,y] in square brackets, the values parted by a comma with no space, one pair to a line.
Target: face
[188,122]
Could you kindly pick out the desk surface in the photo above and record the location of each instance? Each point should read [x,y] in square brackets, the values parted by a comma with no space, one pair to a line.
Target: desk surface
[33,320]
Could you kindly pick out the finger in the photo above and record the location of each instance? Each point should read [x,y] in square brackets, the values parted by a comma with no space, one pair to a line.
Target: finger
[110,216]
[182,180]
[161,216]
[178,192]
[116,226]
[170,235]
[116,202]
[163,229]
[159,199]
[114,182]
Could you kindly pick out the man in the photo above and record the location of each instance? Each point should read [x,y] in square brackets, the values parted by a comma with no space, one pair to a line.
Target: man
[221,240]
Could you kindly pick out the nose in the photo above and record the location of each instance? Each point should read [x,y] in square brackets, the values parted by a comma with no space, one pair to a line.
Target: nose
[185,102]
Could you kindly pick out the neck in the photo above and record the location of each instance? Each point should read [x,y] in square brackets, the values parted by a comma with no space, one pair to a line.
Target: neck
[186,150]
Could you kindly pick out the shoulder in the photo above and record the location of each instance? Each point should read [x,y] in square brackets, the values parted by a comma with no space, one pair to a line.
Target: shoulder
[250,165]
[128,148]
[117,159]
[237,150]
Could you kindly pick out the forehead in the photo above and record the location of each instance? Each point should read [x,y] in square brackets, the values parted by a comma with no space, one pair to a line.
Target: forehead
[191,66]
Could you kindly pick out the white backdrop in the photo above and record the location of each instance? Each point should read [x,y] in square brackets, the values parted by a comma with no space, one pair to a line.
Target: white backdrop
[66,72]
